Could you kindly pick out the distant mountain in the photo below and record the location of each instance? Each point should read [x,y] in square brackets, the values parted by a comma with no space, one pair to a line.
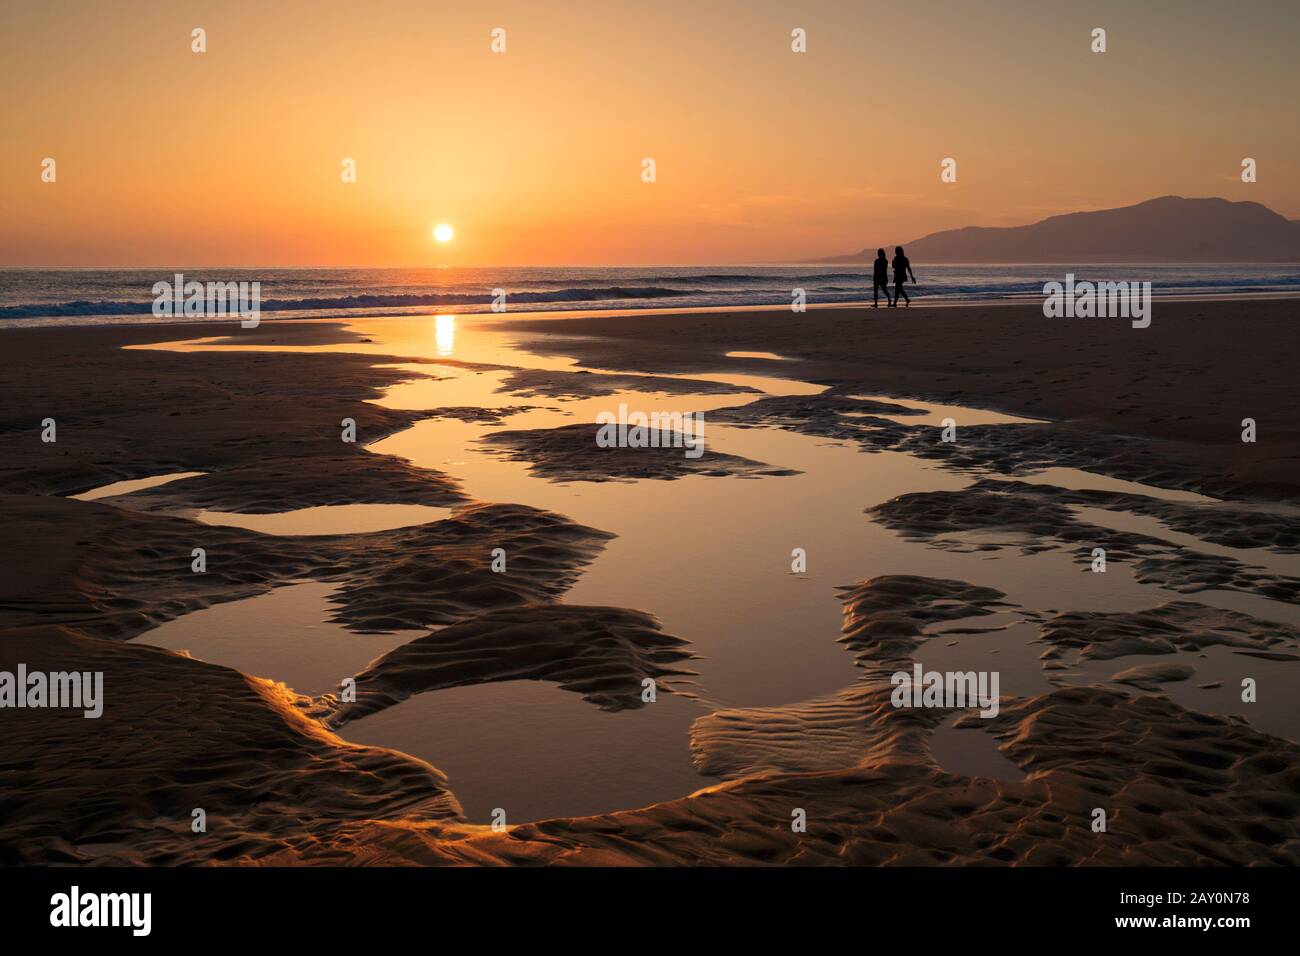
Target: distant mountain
[1168,229]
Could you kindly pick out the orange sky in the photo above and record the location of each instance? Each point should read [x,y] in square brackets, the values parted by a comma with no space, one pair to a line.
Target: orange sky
[232,157]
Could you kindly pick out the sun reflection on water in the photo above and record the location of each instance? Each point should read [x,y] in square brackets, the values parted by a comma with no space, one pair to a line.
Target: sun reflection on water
[444,335]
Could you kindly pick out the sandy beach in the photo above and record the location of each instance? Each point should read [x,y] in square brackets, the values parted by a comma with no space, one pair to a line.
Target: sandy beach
[523,687]
[854,449]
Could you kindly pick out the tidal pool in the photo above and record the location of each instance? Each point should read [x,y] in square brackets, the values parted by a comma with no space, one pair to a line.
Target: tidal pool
[711,557]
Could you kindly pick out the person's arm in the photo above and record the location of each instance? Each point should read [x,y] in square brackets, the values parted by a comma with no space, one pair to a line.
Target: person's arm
[910,272]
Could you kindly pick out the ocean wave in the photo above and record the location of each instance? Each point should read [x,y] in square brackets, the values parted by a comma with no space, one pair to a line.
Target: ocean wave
[361,301]
[105,296]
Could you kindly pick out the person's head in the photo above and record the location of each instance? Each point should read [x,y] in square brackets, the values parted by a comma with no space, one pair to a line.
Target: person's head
[898,250]
[880,253]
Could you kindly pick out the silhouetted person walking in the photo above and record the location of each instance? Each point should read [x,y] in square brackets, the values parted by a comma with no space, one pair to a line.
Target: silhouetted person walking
[880,280]
[902,269]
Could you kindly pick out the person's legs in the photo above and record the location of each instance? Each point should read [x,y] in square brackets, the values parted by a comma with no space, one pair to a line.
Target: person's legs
[900,291]
[875,296]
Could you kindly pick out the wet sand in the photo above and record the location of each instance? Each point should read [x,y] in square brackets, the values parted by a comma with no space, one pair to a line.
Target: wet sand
[1184,384]
[256,432]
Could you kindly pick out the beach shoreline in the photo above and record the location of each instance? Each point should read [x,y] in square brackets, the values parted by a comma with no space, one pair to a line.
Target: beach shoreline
[415,312]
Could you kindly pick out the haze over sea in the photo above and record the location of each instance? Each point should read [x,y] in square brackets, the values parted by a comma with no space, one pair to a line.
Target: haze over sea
[90,296]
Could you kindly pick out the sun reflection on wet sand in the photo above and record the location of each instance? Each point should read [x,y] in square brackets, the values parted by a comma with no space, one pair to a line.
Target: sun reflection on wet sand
[444,335]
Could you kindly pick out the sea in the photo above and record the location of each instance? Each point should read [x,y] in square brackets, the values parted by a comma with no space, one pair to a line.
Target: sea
[95,296]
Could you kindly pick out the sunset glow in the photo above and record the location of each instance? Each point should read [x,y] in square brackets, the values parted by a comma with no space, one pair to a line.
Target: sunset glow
[609,436]
[762,154]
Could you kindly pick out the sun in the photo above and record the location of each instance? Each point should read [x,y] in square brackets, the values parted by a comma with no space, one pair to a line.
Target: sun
[443,232]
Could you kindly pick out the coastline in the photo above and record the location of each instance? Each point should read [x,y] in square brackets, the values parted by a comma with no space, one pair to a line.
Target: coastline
[344,315]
